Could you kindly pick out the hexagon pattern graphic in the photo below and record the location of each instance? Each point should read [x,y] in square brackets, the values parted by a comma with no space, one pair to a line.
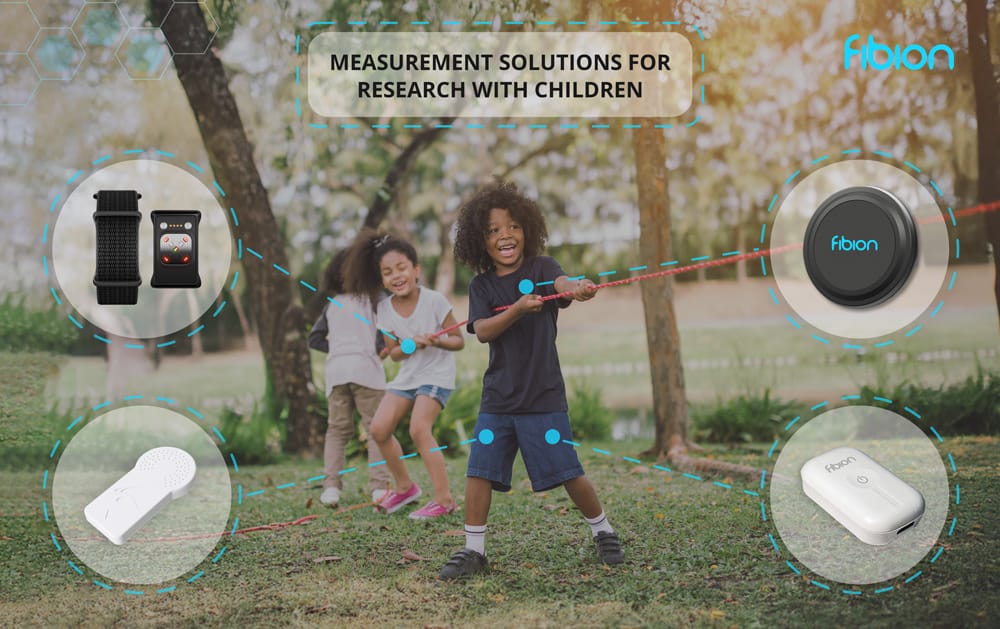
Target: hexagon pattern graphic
[19,27]
[18,80]
[100,24]
[136,13]
[144,53]
[49,39]
[55,13]
[56,54]
[213,27]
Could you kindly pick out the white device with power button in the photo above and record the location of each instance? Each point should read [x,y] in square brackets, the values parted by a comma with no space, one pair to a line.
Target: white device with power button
[160,476]
[871,502]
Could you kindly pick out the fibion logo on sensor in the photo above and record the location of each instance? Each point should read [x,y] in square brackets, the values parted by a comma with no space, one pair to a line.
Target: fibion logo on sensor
[882,57]
[832,467]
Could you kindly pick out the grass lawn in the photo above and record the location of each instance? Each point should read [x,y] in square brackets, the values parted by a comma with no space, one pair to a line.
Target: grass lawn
[698,554]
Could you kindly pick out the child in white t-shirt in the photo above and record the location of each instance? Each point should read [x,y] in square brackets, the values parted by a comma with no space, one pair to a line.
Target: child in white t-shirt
[412,315]
[355,379]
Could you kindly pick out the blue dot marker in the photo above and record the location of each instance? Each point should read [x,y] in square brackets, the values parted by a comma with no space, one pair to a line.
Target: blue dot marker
[526,286]
[486,436]
[408,346]
[552,436]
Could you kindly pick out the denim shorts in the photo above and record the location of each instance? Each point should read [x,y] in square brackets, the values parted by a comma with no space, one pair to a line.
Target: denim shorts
[542,439]
[436,393]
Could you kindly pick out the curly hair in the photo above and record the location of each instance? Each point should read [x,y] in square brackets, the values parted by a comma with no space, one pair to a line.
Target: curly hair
[362,275]
[333,276]
[474,218]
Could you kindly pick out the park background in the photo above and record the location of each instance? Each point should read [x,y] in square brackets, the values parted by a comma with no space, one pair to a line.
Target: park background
[776,97]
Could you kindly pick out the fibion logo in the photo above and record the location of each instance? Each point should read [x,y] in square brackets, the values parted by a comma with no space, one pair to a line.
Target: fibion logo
[882,57]
[832,467]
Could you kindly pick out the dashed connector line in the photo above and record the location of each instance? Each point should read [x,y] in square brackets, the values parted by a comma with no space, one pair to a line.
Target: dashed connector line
[485,442]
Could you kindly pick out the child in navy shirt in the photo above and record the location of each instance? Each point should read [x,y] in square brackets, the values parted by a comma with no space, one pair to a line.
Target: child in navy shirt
[501,234]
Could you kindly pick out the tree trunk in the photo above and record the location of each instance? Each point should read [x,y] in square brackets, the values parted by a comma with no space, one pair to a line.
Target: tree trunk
[444,279]
[249,336]
[129,370]
[273,302]
[741,266]
[197,347]
[987,126]
[670,413]
[663,341]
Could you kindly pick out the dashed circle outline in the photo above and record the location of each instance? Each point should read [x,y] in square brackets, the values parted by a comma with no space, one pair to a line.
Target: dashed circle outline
[950,463]
[169,404]
[133,154]
[787,186]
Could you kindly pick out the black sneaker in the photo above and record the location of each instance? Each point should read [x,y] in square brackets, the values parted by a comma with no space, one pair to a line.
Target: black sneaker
[464,563]
[609,548]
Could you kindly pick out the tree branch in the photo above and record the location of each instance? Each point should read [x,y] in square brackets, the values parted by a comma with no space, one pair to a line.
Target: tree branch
[553,144]
[385,196]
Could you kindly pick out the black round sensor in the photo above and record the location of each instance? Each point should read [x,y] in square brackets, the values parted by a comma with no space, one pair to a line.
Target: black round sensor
[860,246]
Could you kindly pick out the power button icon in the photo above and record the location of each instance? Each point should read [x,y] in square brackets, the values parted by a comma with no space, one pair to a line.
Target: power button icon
[860,246]
[862,479]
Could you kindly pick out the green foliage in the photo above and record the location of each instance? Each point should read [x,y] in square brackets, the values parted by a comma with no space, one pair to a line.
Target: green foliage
[969,407]
[747,418]
[588,415]
[227,16]
[688,545]
[254,437]
[23,329]
[462,408]
[28,426]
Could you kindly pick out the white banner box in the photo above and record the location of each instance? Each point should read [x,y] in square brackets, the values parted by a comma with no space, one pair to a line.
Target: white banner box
[490,75]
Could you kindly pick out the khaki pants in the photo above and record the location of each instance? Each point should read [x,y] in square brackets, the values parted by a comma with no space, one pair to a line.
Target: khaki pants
[343,399]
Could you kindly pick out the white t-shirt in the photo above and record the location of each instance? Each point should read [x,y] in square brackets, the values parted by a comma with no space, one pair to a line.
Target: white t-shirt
[431,365]
[352,356]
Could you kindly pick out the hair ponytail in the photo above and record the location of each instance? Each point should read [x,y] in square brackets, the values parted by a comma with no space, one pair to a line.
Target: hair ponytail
[333,276]
[361,275]
[361,270]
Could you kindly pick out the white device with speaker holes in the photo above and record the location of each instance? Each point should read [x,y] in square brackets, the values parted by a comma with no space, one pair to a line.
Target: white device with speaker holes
[160,476]
[871,502]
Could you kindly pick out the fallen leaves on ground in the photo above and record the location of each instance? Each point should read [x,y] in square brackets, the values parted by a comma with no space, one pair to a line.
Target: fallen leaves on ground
[409,555]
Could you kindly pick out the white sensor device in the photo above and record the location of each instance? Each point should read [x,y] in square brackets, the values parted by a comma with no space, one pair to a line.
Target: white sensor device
[871,502]
[160,476]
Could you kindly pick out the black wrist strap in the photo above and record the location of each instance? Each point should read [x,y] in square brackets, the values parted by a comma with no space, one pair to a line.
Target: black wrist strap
[117,222]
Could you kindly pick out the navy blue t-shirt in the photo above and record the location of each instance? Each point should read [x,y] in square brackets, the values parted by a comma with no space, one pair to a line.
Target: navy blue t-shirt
[524,375]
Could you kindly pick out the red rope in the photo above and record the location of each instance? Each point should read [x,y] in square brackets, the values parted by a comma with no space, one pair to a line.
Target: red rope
[264,527]
[969,211]
[677,270]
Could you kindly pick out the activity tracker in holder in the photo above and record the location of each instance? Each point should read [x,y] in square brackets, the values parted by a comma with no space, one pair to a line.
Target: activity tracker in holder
[175,249]
[117,222]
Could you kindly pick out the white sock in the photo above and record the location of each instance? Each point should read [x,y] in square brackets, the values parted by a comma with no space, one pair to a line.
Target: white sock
[599,524]
[475,538]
